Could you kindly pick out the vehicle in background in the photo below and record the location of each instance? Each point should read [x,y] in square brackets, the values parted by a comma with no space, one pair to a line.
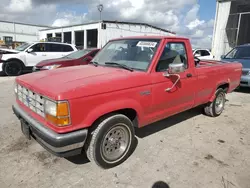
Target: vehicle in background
[81,57]
[131,82]
[240,54]
[203,54]
[27,55]
[3,47]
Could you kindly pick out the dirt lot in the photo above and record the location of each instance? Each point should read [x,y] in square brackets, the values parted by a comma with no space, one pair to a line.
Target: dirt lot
[186,151]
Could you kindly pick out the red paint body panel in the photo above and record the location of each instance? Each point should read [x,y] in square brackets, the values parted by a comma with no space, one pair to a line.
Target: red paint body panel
[66,62]
[95,91]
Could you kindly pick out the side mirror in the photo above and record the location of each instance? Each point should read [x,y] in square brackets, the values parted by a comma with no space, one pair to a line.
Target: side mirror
[30,50]
[197,55]
[175,68]
[222,57]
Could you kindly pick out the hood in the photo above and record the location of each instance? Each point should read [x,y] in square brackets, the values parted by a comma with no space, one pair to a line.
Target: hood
[8,51]
[54,61]
[82,81]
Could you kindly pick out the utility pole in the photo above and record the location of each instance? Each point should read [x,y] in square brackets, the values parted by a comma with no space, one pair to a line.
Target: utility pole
[100,9]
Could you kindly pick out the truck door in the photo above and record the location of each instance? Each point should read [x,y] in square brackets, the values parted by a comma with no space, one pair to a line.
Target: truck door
[182,96]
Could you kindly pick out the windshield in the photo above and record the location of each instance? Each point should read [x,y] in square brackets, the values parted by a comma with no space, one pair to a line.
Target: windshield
[239,53]
[23,47]
[78,54]
[134,53]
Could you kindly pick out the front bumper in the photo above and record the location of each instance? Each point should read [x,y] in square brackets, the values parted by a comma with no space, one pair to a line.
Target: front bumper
[63,145]
[245,81]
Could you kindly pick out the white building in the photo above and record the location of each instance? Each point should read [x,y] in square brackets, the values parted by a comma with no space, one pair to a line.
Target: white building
[19,32]
[232,25]
[97,34]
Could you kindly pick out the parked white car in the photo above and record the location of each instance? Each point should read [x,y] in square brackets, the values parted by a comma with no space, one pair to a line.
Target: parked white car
[27,55]
[202,54]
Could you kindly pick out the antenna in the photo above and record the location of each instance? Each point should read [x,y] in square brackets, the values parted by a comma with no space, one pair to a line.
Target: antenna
[100,9]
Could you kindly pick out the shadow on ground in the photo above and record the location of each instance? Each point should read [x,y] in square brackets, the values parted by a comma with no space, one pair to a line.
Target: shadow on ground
[160,184]
[166,123]
[146,131]
[79,159]
[243,90]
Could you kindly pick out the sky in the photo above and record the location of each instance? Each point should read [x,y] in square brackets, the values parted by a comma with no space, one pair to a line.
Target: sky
[190,18]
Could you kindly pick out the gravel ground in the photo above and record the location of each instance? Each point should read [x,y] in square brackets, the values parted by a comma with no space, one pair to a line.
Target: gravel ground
[189,150]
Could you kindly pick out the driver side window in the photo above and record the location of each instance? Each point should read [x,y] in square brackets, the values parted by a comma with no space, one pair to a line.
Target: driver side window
[172,53]
[39,47]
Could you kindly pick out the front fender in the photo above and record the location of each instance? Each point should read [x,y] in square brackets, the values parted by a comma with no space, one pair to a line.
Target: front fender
[112,106]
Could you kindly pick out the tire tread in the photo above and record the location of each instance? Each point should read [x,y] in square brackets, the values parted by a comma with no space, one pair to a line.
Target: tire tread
[208,109]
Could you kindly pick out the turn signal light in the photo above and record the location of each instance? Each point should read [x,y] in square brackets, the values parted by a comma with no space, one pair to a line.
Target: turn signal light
[59,121]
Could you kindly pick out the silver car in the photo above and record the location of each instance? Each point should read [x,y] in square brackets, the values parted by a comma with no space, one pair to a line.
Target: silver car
[241,54]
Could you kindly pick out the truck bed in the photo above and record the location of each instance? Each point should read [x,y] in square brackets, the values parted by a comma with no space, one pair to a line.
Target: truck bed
[203,63]
[219,72]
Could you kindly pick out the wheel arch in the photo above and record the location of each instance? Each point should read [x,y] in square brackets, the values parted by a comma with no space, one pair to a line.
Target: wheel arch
[14,59]
[128,108]
[223,85]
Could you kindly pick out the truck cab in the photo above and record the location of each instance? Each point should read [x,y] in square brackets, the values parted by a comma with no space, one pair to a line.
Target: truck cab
[131,82]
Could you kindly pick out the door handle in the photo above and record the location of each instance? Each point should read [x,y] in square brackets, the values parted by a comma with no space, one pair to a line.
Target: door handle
[189,75]
[44,55]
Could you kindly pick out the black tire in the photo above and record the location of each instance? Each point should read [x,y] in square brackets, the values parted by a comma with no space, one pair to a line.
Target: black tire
[98,142]
[13,68]
[210,108]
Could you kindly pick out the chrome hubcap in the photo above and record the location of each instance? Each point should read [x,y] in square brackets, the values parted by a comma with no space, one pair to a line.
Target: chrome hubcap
[116,143]
[219,103]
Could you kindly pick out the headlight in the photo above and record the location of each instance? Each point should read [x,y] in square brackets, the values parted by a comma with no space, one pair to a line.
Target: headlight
[57,112]
[49,67]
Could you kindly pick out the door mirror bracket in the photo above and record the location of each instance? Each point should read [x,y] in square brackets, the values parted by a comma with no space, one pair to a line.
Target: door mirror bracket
[177,80]
[173,70]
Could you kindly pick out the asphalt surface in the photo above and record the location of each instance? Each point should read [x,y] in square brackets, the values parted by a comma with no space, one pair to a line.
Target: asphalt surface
[189,150]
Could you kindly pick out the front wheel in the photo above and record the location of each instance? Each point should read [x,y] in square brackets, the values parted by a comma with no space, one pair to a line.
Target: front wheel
[111,142]
[13,68]
[216,107]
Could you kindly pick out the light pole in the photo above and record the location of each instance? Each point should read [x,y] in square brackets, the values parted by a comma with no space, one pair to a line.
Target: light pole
[100,9]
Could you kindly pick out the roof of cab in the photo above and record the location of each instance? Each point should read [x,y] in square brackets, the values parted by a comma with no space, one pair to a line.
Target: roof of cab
[35,42]
[152,37]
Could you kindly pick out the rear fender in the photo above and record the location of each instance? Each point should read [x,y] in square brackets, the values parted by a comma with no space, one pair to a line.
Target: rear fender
[212,97]
[112,106]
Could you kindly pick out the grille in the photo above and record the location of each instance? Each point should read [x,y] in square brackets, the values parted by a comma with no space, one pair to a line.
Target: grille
[245,83]
[245,72]
[31,99]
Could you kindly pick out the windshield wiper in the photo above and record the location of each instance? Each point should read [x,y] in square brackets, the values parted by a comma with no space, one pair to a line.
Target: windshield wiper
[94,63]
[120,65]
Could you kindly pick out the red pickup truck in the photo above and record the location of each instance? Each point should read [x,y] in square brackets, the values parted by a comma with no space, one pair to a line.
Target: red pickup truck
[131,82]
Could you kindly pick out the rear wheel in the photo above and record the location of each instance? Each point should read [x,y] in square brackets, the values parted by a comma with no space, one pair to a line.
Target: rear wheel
[110,143]
[13,68]
[216,107]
